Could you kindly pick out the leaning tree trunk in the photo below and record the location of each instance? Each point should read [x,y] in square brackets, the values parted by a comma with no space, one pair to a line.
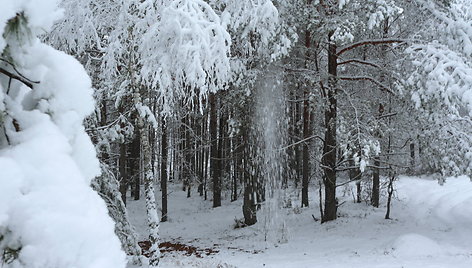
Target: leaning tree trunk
[151,207]
[330,142]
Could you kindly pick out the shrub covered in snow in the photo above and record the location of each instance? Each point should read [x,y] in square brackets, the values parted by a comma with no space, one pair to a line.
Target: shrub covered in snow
[49,215]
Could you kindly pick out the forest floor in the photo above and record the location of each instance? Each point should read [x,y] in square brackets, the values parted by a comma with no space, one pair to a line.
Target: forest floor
[431,226]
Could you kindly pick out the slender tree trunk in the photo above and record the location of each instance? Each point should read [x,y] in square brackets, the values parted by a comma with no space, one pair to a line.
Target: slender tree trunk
[122,170]
[237,167]
[375,199]
[188,158]
[330,140]
[390,194]
[215,159]
[375,183]
[202,161]
[298,135]
[306,153]
[221,147]
[306,126]
[207,157]
[164,170]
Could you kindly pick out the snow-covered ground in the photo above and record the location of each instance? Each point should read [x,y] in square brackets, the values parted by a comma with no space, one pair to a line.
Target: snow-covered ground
[431,226]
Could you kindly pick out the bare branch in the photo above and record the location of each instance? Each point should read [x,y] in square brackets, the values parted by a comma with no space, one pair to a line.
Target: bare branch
[360,62]
[16,77]
[369,42]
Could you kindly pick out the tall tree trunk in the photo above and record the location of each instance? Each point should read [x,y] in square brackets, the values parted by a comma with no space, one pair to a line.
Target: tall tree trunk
[306,152]
[133,164]
[250,187]
[122,171]
[206,163]
[375,183]
[298,135]
[151,207]
[330,143]
[306,125]
[188,158]
[221,146]
[238,170]
[164,170]
[201,155]
[375,198]
[215,162]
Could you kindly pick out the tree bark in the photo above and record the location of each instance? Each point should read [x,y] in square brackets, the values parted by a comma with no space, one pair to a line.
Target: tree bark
[133,164]
[389,198]
[330,140]
[375,183]
[306,153]
[164,169]
[122,171]
[215,159]
[151,207]
[250,184]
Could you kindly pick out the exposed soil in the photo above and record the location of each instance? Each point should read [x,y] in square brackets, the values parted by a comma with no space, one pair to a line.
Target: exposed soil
[187,250]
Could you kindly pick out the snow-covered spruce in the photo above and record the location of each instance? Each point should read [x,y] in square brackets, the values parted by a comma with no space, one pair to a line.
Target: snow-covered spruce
[49,215]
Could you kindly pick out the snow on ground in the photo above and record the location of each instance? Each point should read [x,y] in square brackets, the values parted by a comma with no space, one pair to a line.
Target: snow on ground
[431,227]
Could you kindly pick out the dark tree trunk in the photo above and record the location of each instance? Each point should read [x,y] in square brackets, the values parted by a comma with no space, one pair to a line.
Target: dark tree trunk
[215,163]
[188,165]
[237,167]
[201,167]
[306,127]
[250,185]
[330,143]
[133,164]
[376,183]
[249,204]
[207,151]
[104,156]
[221,147]
[122,169]
[164,170]
[297,134]
[390,194]
[306,151]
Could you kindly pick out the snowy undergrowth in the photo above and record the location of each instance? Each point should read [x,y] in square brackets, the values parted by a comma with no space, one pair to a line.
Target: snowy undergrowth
[428,229]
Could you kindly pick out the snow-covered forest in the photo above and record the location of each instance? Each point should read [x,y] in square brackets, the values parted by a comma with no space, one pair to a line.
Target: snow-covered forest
[235,133]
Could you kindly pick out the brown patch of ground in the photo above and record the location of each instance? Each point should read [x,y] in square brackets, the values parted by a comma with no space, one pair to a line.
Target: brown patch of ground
[170,246]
